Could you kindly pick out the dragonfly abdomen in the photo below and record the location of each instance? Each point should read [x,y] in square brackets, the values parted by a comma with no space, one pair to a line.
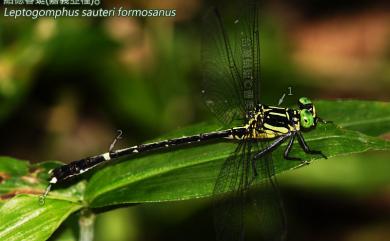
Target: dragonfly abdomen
[75,168]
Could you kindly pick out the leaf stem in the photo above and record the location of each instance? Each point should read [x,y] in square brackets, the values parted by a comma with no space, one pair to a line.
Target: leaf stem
[86,224]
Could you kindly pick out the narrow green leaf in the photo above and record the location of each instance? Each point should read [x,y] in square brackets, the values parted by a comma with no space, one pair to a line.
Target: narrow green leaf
[347,175]
[22,218]
[369,117]
[190,172]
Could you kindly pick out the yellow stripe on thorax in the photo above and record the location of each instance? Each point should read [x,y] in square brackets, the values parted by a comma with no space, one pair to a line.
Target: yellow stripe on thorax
[278,114]
[279,129]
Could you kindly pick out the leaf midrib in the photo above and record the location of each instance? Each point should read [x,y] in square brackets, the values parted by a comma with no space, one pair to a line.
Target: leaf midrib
[362,122]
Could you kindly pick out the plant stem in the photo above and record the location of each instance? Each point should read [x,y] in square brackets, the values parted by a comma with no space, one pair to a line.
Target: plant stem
[86,224]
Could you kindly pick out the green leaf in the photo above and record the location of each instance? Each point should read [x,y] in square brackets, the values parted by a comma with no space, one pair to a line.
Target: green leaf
[22,218]
[369,117]
[13,166]
[347,175]
[190,172]
[19,177]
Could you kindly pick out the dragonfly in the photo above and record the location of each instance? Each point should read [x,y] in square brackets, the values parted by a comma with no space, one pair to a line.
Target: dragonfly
[231,79]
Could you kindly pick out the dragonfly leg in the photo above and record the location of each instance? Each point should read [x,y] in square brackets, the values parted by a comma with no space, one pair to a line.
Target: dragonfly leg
[306,148]
[271,147]
[288,149]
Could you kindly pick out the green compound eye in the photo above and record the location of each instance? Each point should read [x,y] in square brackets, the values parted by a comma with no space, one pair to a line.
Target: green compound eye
[307,119]
[305,101]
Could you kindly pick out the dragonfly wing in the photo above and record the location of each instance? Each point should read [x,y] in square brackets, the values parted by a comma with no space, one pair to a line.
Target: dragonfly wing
[221,79]
[228,199]
[266,201]
[231,61]
[230,193]
[246,35]
[248,206]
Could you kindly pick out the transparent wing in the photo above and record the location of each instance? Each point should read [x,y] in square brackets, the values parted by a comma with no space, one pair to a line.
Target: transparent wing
[248,206]
[230,61]
[247,50]
[229,198]
[221,76]
[266,201]
[230,194]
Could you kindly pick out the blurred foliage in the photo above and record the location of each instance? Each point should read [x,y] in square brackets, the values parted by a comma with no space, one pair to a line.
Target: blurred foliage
[69,84]
[22,47]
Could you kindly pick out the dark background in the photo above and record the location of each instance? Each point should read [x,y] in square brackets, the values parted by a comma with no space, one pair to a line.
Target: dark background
[67,85]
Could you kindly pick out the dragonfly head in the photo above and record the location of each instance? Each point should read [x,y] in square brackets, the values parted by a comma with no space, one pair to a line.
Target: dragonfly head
[307,113]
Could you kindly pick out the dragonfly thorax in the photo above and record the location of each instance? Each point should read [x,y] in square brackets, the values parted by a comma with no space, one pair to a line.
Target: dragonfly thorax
[267,122]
